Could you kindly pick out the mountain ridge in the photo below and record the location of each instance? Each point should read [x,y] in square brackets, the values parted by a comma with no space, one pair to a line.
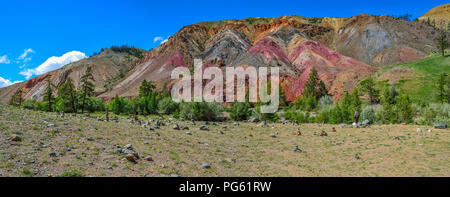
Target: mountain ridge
[341,49]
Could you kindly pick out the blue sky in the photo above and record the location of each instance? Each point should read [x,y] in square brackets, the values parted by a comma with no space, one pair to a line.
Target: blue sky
[39,36]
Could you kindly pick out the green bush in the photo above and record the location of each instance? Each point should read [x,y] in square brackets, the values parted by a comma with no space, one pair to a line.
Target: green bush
[240,111]
[201,111]
[308,103]
[369,113]
[118,105]
[256,113]
[166,106]
[29,104]
[325,102]
[323,116]
[434,113]
[95,104]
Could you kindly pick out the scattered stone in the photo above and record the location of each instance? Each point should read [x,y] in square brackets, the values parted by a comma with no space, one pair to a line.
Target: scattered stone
[157,124]
[127,151]
[253,119]
[129,147]
[188,133]
[185,128]
[419,130]
[220,132]
[236,123]
[175,175]
[298,150]
[298,133]
[357,156]
[146,142]
[397,138]
[131,157]
[149,158]
[176,127]
[52,154]
[90,139]
[323,133]
[365,122]
[263,124]
[224,127]
[15,138]
[273,135]
[333,129]
[204,128]
[206,166]
[440,126]
[68,149]
[343,125]
[151,129]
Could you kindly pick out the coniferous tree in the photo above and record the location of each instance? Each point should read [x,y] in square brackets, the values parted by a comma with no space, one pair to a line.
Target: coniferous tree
[314,86]
[68,94]
[48,95]
[442,43]
[404,110]
[388,101]
[87,87]
[367,86]
[443,91]
[146,88]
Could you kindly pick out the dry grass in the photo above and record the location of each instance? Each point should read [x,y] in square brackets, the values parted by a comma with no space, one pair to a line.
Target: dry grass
[245,150]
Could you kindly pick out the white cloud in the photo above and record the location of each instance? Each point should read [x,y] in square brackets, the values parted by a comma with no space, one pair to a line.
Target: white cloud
[158,38]
[6,82]
[54,63]
[25,53]
[4,59]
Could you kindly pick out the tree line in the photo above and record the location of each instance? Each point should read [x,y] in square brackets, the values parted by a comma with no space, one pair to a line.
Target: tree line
[315,105]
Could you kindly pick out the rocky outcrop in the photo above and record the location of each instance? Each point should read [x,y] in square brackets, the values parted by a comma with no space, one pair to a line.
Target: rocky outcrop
[341,49]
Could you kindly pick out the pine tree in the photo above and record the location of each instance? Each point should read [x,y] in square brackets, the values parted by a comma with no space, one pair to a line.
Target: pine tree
[355,101]
[48,95]
[367,86]
[442,90]
[146,88]
[314,86]
[68,93]
[404,109]
[87,87]
[388,101]
[442,43]
[346,108]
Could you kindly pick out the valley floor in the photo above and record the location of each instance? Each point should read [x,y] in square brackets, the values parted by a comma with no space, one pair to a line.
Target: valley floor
[50,145]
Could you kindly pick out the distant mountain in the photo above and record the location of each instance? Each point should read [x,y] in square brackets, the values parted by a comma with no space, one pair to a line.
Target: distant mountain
[341,49]
[108,68]
[440,15]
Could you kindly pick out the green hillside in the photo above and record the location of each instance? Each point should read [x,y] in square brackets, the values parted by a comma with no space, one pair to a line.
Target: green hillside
[419,78]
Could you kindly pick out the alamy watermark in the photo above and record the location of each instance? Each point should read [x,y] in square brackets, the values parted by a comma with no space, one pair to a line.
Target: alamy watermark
[236,79]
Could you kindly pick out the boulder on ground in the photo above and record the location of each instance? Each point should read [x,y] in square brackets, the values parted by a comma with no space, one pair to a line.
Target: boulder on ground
[15,138]
[440,126]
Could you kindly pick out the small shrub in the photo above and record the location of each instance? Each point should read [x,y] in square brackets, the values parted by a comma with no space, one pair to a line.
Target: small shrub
[240,111]
[73,173]
[201,111]
[166,106]
[368,113]
[325,101]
